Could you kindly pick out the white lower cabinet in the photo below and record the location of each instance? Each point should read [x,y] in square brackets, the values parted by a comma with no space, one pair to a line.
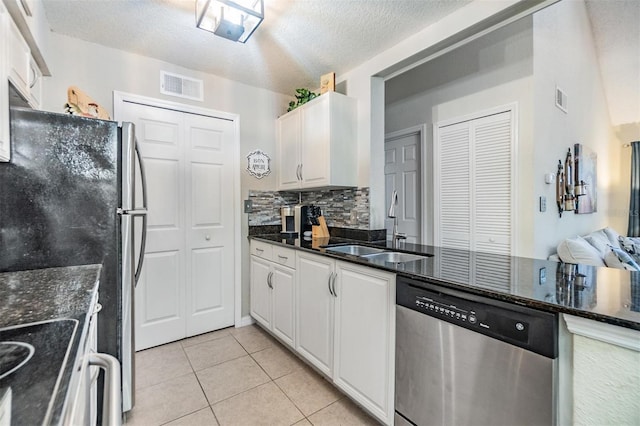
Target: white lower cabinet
[344,320]
[314,310]
[273,290]
[345,327]
[84,393]
[364,340]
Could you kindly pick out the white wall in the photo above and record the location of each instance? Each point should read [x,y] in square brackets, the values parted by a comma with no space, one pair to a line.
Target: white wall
[565,56]
[492,71]
[99,71]
[366,83]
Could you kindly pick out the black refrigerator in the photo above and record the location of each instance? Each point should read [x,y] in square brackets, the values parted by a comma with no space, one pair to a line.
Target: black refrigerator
[67,197]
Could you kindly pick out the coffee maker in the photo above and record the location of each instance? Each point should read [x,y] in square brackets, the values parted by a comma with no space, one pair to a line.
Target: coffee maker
[287,215]
[295,219]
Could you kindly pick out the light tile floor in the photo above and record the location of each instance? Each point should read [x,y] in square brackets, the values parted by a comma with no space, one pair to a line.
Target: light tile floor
[235,376]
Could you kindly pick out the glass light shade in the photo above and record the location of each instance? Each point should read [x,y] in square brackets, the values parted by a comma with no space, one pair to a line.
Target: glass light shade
[233,20]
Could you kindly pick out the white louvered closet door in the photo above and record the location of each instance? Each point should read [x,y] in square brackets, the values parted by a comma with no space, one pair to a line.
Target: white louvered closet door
[453,170]
[474,184]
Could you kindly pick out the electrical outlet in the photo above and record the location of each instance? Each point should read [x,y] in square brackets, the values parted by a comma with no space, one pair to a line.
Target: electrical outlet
[248,206]
[354,216]
[543,204]
[542,276]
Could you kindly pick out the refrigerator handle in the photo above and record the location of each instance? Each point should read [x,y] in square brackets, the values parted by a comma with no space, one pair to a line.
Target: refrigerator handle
[143,241]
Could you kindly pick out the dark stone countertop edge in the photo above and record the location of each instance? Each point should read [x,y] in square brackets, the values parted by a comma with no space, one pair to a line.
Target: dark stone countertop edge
[505,297]
[87,276]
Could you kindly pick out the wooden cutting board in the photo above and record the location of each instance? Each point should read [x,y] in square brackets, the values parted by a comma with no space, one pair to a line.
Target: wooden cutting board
[85,105]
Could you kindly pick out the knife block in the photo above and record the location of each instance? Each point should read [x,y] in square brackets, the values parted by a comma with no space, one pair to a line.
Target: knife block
[320,231]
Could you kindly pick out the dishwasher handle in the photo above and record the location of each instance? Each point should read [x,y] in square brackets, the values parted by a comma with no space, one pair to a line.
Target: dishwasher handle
[112,400]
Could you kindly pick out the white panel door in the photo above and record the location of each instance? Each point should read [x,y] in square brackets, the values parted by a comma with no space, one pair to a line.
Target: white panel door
[160,293]
[402,173]
[187,283]
[209,168]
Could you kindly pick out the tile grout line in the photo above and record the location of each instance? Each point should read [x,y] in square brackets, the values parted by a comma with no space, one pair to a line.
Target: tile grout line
[195,373]
[274,380]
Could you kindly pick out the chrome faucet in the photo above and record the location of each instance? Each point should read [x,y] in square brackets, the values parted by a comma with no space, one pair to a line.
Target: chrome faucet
[396,236]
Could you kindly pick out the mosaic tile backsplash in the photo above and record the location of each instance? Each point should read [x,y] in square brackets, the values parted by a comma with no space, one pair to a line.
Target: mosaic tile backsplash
[344,208]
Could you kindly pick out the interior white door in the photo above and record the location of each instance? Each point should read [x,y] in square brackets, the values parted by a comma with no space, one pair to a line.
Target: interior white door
[209,217]
[159,306]
[187,283]
[474,181]
[402,173]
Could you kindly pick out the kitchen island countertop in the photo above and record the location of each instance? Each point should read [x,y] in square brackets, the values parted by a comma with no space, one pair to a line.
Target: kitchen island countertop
[602,294]
[42,296]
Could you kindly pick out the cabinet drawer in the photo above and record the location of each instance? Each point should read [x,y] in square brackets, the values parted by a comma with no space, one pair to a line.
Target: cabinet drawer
[260,249]
[284,256]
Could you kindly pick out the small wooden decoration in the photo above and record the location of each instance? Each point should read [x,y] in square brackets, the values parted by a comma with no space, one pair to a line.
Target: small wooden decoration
[328,83]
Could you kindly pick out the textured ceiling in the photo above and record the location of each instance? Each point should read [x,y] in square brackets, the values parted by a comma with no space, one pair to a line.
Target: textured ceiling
[303,39]
[298,41]
[616,29]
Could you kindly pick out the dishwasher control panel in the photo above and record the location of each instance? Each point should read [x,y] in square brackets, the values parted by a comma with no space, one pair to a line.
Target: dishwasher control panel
[451,311]
[522,326]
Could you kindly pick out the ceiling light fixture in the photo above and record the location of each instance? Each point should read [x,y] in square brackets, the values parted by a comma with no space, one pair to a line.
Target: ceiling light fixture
[233,20]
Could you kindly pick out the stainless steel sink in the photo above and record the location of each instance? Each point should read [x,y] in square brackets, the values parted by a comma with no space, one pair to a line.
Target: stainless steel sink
[394,257]
[354,249]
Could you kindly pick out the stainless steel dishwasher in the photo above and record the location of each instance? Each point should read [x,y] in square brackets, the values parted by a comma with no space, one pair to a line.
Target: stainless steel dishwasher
[463,359]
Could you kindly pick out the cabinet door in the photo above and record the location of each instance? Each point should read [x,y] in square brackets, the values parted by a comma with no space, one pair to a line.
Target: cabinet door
[4,89]
[260,291]
[283,299]
[35,83]
[316,140]
[365,330]
[314,311]
[289,151]
[19,57]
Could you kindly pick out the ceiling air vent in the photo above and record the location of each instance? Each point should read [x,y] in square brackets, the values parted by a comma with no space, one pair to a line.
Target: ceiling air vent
[181,86]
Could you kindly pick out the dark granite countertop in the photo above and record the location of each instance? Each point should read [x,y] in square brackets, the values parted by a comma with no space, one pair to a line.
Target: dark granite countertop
[602,294]
[50,309]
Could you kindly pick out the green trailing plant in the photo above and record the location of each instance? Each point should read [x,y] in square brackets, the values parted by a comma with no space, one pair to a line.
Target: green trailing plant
[302,97]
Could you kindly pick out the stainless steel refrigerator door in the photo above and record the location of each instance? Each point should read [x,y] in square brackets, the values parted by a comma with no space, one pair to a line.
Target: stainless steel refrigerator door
[129,211]
[448,375]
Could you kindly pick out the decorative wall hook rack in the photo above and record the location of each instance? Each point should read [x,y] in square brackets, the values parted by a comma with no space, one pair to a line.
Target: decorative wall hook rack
[569,183]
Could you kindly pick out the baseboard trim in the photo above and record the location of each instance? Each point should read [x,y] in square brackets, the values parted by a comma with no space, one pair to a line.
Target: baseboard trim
[244,321]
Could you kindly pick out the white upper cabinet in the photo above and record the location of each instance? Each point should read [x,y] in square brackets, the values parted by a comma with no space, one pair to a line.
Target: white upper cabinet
[19,56]
[30,18]
[317,144]
[23,33]
[4,89]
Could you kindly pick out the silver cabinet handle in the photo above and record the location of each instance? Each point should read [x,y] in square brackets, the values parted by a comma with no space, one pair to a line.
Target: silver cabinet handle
[259,250]
[329,283]
[298,175]
[207,237]
[333,284]
[35,76]
[301,178]
[269,280]
[282,257]
[112,402]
